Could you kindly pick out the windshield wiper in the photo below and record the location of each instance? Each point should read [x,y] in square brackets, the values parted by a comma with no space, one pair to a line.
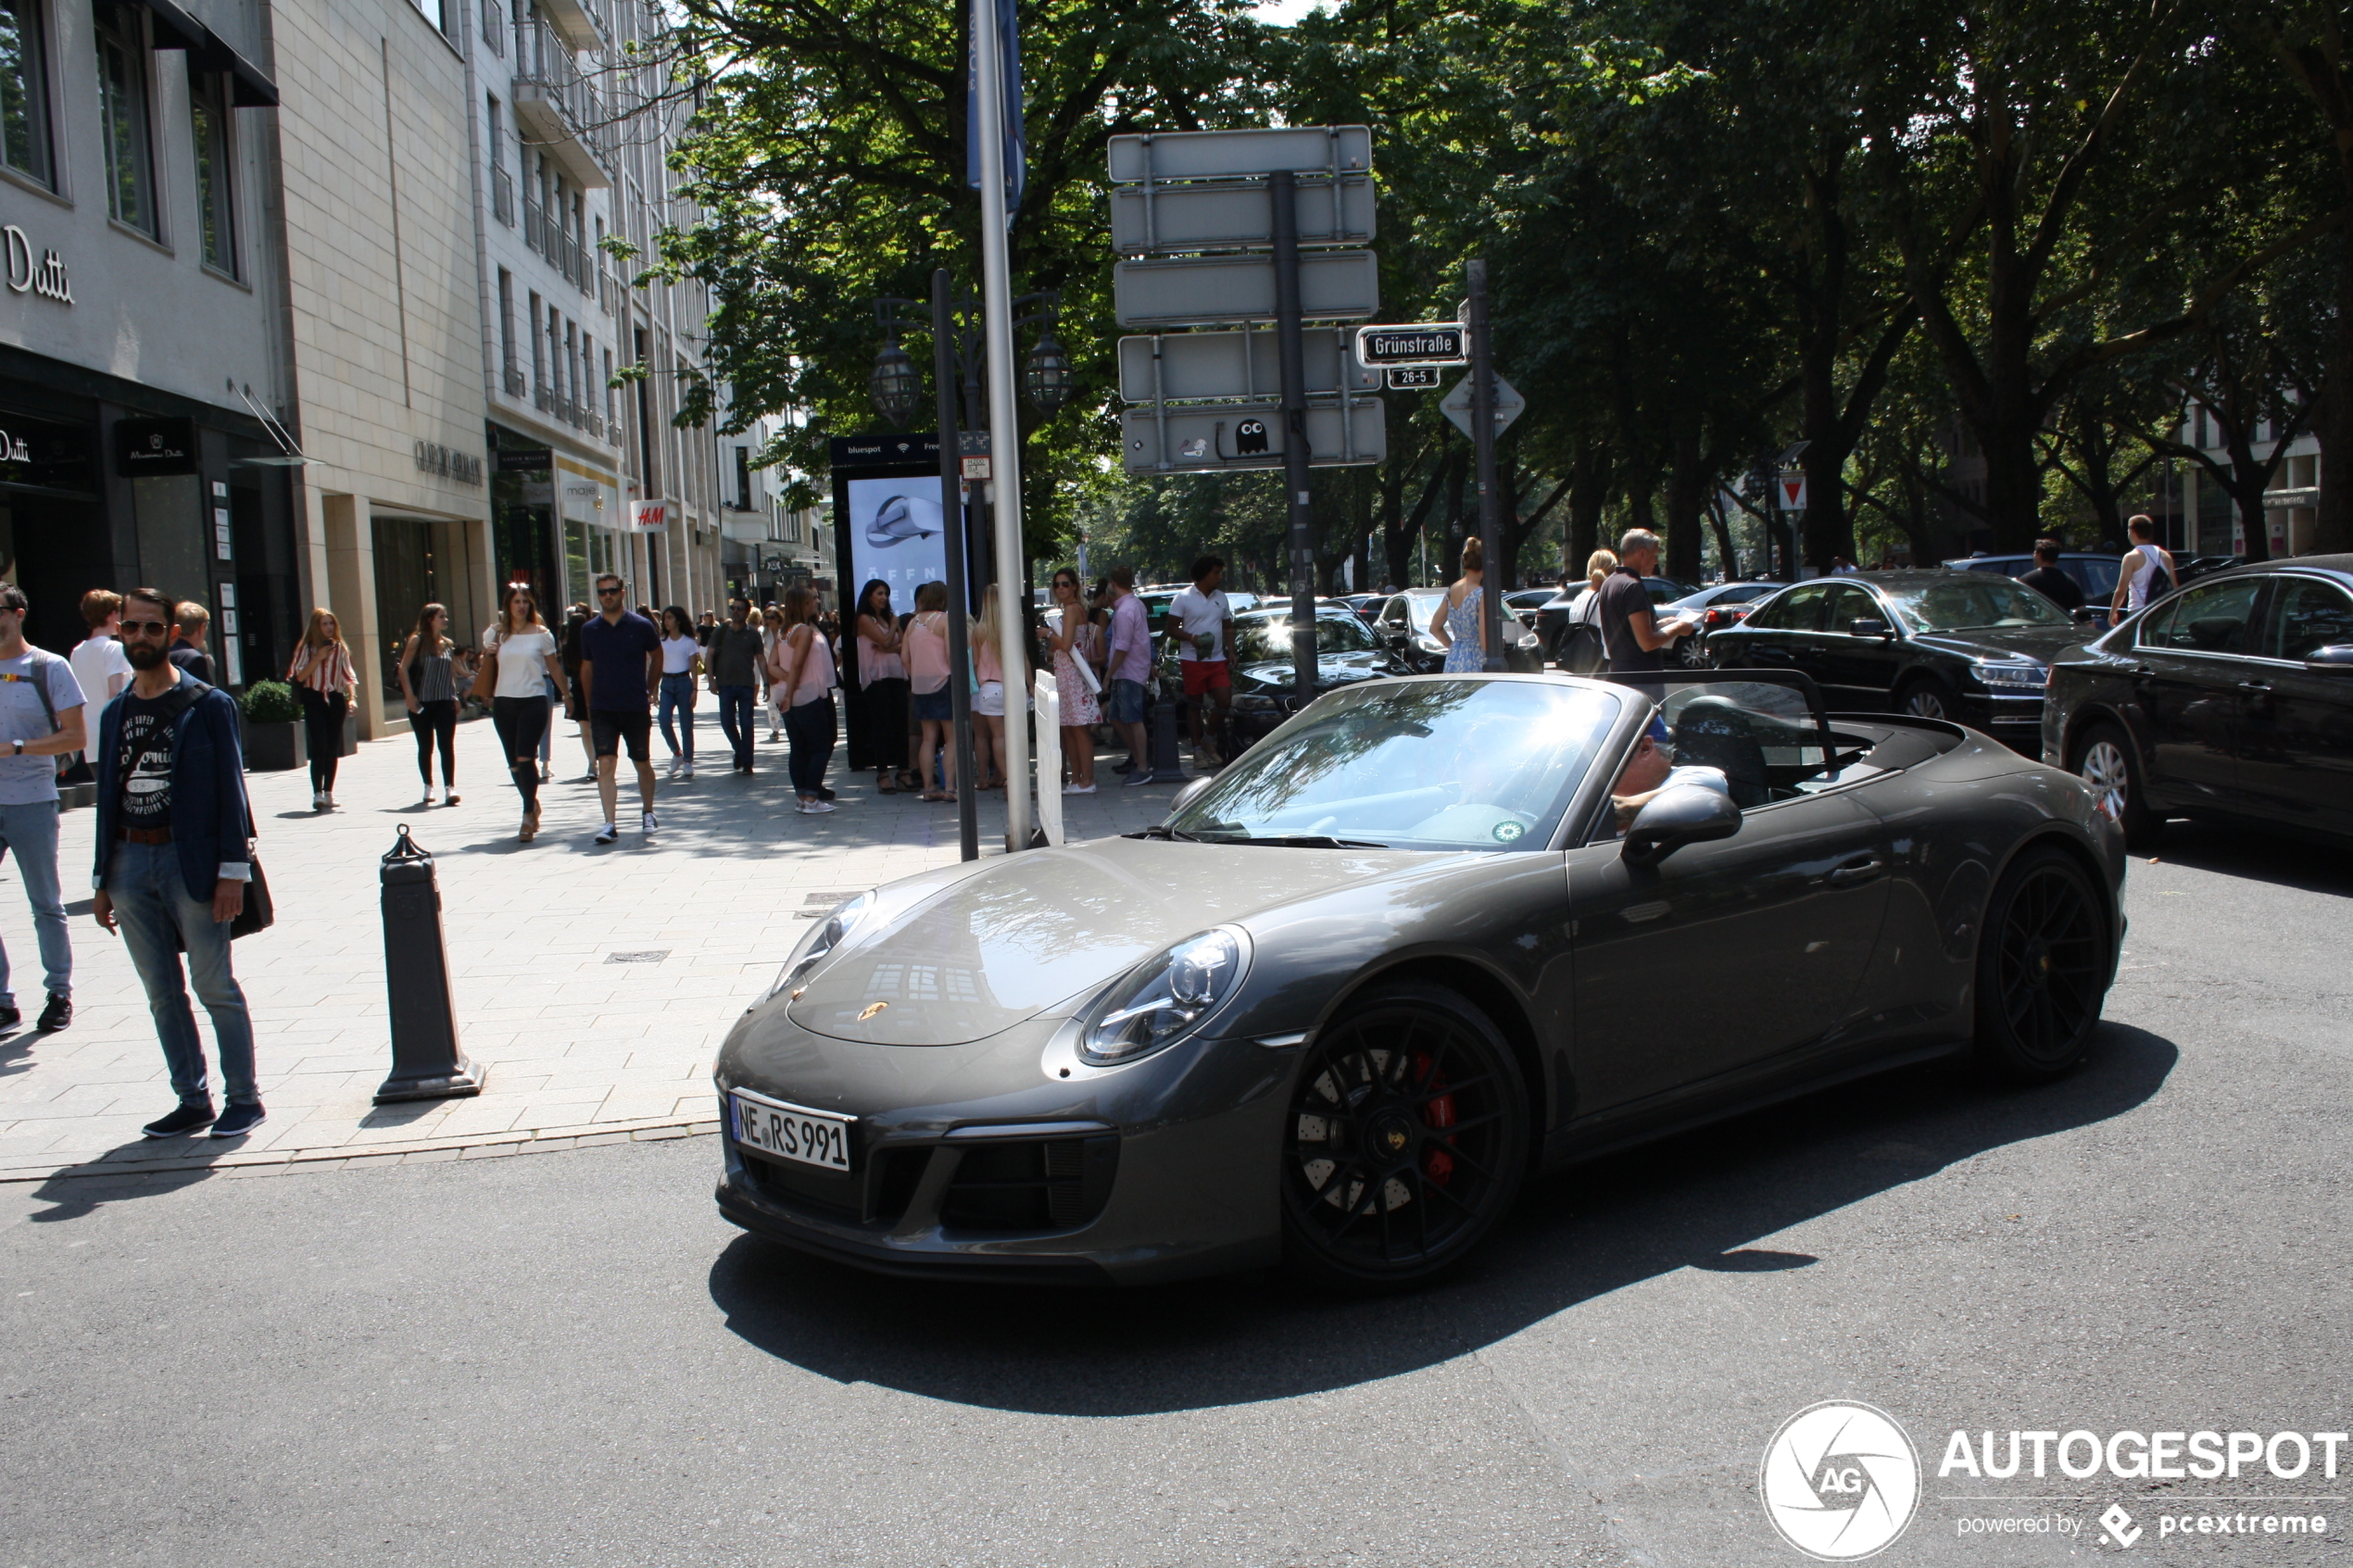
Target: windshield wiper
[1161,830]
[1302,841]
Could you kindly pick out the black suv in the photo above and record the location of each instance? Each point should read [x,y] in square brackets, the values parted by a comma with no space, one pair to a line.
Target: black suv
[1973,647]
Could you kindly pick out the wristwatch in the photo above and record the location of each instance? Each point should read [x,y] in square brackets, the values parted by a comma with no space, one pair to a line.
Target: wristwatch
[20,748]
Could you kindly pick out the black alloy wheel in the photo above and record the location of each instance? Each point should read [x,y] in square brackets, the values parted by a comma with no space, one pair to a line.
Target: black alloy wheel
[1925,696]
[2044,960]
[1407,1140]
[2105,760]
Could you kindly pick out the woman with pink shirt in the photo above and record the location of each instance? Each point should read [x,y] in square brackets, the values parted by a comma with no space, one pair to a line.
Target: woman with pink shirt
[1074,640]
[927,671]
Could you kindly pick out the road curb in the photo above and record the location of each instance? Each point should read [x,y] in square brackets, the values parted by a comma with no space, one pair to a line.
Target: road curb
[200,1157]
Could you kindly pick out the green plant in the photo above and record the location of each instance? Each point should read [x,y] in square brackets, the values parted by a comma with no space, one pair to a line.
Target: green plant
[272,702]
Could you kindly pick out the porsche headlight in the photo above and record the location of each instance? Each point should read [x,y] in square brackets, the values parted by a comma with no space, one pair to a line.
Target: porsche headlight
[822,938]
[1162,1001]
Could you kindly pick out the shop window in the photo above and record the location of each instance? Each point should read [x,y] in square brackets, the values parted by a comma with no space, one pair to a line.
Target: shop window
[122,117]
[24,90]
[743,478]
[215,192]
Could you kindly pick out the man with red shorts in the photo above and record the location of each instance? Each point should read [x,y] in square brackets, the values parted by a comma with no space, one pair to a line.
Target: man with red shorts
[1204,629]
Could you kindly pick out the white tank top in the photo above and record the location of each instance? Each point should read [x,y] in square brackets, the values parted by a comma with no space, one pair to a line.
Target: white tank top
[2145,576]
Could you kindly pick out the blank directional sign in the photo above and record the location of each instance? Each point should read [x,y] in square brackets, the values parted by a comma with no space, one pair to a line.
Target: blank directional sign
[1230,154]
[1245,436]
[1242,367]
[1457,405]
[1238,215]
[1229,290]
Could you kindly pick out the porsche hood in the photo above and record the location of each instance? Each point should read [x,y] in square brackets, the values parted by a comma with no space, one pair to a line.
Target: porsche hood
[1027,932]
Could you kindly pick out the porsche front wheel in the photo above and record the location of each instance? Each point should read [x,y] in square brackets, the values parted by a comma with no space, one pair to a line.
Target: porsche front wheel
[1406,1140]
[2044,963]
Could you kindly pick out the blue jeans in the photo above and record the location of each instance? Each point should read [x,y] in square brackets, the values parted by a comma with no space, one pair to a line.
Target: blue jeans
[31,832]
[150,903]
[736,707]
[678,696]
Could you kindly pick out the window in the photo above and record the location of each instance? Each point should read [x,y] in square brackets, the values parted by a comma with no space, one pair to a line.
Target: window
[122,117]
[1850,604]
[24,90]
[1799,609]
[2306,617]
[538,348]
[612,410]
[216,203]
[432,11]
[2210,617]
[743,478]
[494,29]
[507,325]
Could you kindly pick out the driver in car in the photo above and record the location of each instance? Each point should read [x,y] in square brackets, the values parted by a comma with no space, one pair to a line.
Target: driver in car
[1651,770]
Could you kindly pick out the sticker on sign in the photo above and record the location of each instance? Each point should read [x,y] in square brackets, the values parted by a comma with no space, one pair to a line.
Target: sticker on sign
[1430,343]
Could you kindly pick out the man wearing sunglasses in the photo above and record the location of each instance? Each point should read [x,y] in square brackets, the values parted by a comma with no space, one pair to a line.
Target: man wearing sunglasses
[40,710]
[620,666]
[173,861]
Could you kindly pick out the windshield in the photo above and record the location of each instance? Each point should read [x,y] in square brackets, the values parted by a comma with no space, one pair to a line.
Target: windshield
[1414,765]
[1972,601]
[1268,641]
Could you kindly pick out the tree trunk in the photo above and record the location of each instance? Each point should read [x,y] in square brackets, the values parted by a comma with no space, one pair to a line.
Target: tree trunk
[2332,417]
[1726,557]
[1687,480]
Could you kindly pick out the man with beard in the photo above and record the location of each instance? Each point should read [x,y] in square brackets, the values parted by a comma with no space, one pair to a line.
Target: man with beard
[173,859]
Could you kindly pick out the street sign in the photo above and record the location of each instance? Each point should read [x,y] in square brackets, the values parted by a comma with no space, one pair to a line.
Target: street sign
[1509,405]
[1237,215]
[1229,290]
[1250,436]
[1789,492]
[1413,378]
[1240,367]
[1226,155]
[1432,343]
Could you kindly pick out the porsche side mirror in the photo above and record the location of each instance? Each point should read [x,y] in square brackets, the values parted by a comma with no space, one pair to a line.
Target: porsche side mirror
[2335,660]
[1868,626]
[1672,818]
[1191,793]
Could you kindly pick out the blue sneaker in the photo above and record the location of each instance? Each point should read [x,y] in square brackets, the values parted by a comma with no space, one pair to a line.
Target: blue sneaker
[239,1120]
[188,1119]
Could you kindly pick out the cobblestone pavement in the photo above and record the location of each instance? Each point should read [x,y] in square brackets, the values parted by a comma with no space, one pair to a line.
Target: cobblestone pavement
[580,1041]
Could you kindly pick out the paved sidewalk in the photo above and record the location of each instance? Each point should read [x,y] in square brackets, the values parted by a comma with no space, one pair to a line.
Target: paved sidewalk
[592,983]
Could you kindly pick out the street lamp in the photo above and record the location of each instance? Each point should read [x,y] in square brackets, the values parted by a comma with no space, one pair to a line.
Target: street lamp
[1047,379]
[894,385]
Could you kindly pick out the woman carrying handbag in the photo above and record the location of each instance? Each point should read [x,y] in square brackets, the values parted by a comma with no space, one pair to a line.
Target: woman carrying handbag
[521,667]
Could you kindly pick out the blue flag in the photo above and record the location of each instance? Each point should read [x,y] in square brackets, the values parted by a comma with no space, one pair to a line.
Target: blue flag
[1008,42]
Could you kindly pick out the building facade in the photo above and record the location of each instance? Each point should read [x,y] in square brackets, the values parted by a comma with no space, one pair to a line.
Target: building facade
[141,329]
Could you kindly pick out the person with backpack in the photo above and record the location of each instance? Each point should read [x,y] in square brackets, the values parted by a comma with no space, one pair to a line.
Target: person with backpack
[174,854]
[2147,571]
[41,722]
[1580,650]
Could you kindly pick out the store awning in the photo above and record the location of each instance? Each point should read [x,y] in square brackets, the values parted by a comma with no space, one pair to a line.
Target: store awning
[250,87]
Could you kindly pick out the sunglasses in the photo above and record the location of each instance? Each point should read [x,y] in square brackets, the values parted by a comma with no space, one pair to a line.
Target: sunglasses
[608,593]
[146,628]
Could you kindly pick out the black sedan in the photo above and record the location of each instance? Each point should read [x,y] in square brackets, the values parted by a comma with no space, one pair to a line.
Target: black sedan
[2232,698]
[1432,937]
[1266,682]
[1552,616]
[1973,647]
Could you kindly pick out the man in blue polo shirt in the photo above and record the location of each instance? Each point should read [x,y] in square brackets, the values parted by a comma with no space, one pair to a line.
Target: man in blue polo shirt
[621,667]
[41,715]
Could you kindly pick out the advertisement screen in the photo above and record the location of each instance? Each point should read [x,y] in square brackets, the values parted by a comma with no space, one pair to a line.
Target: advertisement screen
[895,533]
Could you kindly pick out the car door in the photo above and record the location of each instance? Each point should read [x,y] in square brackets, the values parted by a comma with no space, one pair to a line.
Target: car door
[1855,673]
[2296,726]
[1786,634]
[2189,659]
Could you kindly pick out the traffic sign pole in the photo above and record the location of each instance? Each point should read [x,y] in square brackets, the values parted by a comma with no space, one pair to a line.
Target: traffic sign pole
[959,573]
[1291,355]
[1004,417]
[1490,523]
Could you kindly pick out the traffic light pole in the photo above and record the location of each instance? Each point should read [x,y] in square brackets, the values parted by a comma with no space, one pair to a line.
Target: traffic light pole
[1491,511]
[1004,423]
[1291,357]
[959,573]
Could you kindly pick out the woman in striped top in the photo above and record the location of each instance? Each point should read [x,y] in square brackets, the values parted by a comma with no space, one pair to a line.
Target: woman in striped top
[429,685]
[321,677]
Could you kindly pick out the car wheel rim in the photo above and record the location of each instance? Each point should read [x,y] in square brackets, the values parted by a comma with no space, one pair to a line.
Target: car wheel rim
[1924,704]
[1398,1144]
[2106,771]
[2047,964]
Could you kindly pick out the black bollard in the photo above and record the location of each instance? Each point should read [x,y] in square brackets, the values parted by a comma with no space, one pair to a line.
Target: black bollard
[426,1062]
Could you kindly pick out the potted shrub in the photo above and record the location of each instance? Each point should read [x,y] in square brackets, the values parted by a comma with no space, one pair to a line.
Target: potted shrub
[272,729]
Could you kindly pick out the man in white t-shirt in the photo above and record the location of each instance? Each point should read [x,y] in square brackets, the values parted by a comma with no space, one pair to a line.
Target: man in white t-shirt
[1204,629]
[40,718]
[2147,571]
[100,667]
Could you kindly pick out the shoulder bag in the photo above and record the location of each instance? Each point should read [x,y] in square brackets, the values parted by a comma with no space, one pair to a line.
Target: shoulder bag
[485,685]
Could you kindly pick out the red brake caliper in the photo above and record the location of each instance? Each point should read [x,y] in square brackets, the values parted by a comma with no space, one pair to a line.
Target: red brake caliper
[1436,1112]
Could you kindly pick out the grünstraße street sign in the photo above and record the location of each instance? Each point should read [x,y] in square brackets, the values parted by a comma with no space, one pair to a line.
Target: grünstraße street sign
[1248,436]
[1242,366]
[1427,342]
[1229,290]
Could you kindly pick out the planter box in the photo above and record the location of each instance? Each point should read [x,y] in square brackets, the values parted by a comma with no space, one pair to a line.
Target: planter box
[271,748]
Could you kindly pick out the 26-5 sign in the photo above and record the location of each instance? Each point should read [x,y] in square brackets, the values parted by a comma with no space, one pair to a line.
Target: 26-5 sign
[1429,343]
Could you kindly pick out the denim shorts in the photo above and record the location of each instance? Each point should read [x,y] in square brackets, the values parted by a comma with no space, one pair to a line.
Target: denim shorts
[935,707]
[1126,703]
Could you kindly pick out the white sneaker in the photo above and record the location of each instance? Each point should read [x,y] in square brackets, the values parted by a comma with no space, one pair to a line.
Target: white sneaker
[1078,789]
[646,822]
[318,799]
[687,771]
[608,833]
[674,768]
[816,808]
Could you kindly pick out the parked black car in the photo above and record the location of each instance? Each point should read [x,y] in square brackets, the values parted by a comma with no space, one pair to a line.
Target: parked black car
[2093,572]
[2232,698]
[1551,617]
[1972,647]
[1265,685]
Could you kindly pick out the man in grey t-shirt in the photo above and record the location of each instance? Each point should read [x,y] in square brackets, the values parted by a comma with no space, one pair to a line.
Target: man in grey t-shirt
[733,657]
[41,713]
[1635,639]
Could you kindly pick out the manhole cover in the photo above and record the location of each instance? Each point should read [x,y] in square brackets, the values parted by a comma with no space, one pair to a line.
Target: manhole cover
[650,955]
[826,900]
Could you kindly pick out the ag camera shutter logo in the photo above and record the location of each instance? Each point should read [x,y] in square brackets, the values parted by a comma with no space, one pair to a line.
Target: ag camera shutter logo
[1840,1481]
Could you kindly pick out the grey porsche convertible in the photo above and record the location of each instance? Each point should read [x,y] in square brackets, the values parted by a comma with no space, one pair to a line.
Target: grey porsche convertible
[1431,938]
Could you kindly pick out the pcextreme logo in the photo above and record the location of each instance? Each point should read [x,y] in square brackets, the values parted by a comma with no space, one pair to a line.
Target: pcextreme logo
[1840,1481]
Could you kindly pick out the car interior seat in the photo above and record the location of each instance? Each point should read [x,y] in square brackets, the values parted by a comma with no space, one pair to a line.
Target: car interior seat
[1715,731]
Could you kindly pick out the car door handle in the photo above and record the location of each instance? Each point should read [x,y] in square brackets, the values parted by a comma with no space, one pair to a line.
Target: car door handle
[2257,689]
[1859,870]
[2143,672]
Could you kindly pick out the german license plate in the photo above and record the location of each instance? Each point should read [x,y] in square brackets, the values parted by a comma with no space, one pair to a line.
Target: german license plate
[789,1131]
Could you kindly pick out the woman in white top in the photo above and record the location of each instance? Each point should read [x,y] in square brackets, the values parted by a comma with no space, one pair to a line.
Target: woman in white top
[802,672]
[681,663]
[519,710]
[2147,569]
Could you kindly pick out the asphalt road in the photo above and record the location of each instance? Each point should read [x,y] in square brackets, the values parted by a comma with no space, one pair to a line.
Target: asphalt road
[569,1358]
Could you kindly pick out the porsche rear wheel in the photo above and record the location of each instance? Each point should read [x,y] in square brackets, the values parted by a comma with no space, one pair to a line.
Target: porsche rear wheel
[2043,968]
[1406,1141]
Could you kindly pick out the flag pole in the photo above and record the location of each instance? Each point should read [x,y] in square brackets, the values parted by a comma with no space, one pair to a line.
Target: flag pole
[1004,423]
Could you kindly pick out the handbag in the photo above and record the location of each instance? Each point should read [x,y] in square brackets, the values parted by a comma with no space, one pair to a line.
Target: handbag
[485,685]
[258,913]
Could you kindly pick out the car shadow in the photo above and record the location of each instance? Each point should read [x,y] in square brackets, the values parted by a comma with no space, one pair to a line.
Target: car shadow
[1698,1200]
[2253,854]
